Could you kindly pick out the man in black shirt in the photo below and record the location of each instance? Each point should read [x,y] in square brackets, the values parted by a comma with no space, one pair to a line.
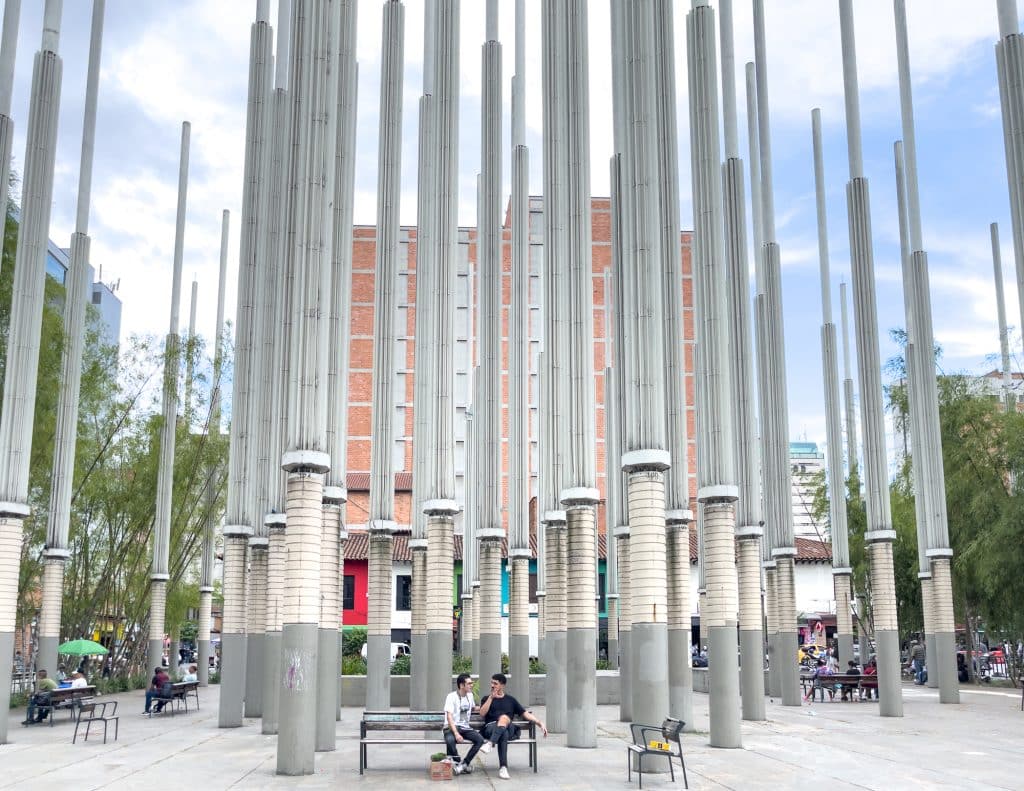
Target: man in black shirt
[498,710]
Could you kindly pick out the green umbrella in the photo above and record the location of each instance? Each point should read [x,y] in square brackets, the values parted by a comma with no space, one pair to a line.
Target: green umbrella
[81,648]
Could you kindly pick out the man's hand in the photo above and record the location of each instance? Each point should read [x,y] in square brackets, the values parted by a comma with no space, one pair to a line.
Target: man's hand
[459,738]
[543,729]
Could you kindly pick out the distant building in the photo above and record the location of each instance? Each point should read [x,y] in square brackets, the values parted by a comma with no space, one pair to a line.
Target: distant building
[101,295]
[990,385]
[806,462]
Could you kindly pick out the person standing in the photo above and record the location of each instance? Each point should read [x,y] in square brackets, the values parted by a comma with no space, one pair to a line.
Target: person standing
[917,661]
[499,710]
[458,707]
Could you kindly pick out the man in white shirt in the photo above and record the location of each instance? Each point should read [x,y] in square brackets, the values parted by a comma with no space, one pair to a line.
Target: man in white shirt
[458,707]
[78,680]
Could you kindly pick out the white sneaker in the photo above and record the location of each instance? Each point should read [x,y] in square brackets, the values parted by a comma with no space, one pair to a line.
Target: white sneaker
[486,748]
[457,768]
[503,773]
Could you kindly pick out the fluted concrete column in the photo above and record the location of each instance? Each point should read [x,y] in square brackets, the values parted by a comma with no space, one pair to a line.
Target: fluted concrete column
[276,561]
[440,555]
[841,582]
[944,622]
[50,609]
[232,630]
[475,627]
[8,55]
[555,602]
[328,664]
[928,616]
[621,535]
[581,617]
[489,604]
[879,534]
[680,668]
[418,700]
[256,626]
[776,658]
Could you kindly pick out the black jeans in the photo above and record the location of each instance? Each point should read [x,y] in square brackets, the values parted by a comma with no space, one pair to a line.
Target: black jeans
[500,735]
[469,734]
[38,699]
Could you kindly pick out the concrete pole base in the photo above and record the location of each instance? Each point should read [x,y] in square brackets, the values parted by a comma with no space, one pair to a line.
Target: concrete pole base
[203,663]
[555,700]
[519,667]
[625,675]
[156,654]
[418,672]
[490,655]
[752,674]
[341,645]
[46,658]
[931,655]
[680,676]
[581,688]
[613,653]
[650,681]
[946,676]
[468,649]
[845,642]
[776,661]
[232,680]
[327,673]
[254,658]
[724,688]
[271,674]
[296,731]
[439,667]
[6,669]
[789,670]
[378,672]
[890,692]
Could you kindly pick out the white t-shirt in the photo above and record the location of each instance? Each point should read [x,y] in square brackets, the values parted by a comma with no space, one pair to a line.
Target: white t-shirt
[459,707]
[79,682]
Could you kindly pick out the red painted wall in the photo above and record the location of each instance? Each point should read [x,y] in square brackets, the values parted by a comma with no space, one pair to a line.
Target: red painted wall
[357,615]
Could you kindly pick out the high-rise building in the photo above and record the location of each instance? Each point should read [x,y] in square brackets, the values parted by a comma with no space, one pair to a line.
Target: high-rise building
[806,464]
[102,296]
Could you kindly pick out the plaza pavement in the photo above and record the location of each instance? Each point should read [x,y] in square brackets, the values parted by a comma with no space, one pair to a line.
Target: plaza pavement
[832,746]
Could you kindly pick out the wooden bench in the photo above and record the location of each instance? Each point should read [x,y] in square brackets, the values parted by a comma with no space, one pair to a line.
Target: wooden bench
[416,722]
[855,684]
[70,698]
[178,697]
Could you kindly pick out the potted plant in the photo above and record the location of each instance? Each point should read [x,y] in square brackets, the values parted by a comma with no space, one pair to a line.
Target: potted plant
[440,767]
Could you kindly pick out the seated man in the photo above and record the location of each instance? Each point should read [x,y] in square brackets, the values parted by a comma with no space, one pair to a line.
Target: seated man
[192,674]
[78,680]
[159,686]
[457,708]
[41,697]
[849,689]
[498,711]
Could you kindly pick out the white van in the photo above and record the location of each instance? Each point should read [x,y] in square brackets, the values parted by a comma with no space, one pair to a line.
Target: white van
[397,650]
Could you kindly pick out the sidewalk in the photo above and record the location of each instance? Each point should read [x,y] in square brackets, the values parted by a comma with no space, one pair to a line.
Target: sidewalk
[824,745]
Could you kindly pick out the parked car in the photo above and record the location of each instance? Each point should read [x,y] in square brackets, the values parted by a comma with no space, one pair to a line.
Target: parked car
[397,650]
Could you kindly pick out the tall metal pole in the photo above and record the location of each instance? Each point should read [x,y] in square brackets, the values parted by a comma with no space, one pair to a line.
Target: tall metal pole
[749,523]
[382,474]
[556,342]
[439,495]
[314,85]
[276,327]
[56,552]
[1004,335]
[239,517]
[165,473]
[716,449]
[519,381]
[841,569]
[487,415]
[849,413]
[214,474]
[941,656]
[879,535]
[1009,67]
[775,417]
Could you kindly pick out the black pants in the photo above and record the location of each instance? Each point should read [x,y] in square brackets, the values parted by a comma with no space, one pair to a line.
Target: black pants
[469,734]
[500,735]
[37,700]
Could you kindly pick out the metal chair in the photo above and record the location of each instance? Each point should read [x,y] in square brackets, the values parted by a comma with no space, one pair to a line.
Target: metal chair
[669,731]
[97,712]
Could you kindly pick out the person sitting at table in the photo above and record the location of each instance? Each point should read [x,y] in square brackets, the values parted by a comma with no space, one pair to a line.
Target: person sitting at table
[41,697]
[159,686]
[78,680]
[850,689]
[192,674]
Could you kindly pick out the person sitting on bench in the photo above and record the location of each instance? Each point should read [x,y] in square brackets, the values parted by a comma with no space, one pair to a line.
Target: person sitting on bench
[159,687]
[457,708]
[41,697]
[498,710]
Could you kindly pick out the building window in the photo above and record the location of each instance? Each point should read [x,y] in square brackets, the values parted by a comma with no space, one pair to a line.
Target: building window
[403,592]
[600,592]
[349,592]
[533,588]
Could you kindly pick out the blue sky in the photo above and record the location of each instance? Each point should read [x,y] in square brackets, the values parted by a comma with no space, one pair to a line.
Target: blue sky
[168,61]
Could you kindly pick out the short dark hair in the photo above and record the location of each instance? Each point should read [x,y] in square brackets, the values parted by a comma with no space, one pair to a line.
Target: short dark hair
[41,672]
[500,678]
[851,663]
[462,679]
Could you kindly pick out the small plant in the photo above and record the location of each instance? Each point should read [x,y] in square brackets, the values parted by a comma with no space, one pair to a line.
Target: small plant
[461,664]
[352,640]
[505,664]
[402,665]
[604,664]
[213,677]
[19,699]
[353,665]
[537,667]
[438,757]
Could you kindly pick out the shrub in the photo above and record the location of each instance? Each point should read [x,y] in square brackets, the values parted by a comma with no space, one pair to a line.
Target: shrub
[438,757]
[505,664]
[604,664]
[461,664]
[19,699]
[401,666]
[536,666]
[213,677]
[352,640]
[353,665]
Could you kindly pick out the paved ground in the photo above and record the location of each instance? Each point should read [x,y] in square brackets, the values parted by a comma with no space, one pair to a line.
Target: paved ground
[832,746]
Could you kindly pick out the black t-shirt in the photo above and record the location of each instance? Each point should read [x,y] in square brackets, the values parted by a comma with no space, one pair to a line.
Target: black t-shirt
[504,705]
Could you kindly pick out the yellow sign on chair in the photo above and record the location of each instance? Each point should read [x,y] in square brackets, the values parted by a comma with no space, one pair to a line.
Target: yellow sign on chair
[656,745]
